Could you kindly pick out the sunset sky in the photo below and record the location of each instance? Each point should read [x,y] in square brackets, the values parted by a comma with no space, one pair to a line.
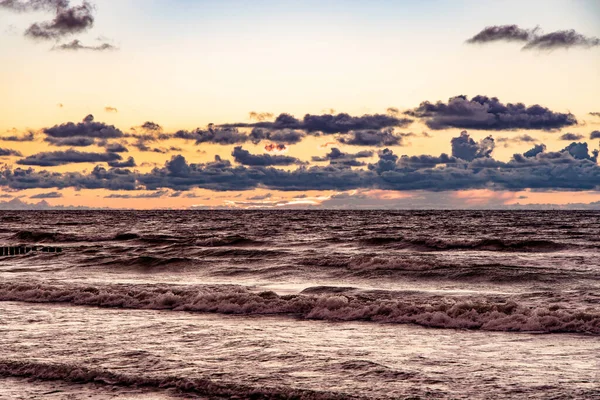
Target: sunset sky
[198,103]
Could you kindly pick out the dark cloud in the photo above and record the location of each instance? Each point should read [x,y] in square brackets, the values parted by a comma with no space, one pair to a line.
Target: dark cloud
[336,156]
[517,139]
[261,197]
[371,137]
[9,153]
[69,20]
[115,148]
[50,195]
[129,163]
[75,141]
[287,136]
[595,114]
[152,195]
[595,135]
[151,126]
[34,5]
[467,149]
[328,124]
[580,151]
[223,136]
[260,116]
[571,137]
[29,137]
[244,157]
[534,39]
[537,149]
[561,40]
[485,113]
[87,128]
[52,159]
[110,109]
[275,147]
[76,45]
[502,33]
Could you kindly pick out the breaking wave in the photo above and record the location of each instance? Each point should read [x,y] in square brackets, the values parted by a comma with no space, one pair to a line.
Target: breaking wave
[479,313]
[201,386]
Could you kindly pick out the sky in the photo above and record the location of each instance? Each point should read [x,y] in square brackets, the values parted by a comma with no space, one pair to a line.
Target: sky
[285,104]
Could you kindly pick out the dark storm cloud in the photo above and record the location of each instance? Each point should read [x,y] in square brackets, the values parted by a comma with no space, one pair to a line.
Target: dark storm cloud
[29,137]
[69,20]
[75,141]
[502,33]
[561,40]
[129,163]
[467,149]
[328,124]
[76,45]
[9,153]
[537,149]
[595,135]
[571,137]
[378,138]
[287,136]
[217,135]
[336,156]
[115,148]
[55,158]
[87,128]
[485,113]
[244,157]
[51,195]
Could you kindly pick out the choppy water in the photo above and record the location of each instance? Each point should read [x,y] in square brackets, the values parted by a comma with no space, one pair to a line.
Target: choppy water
[301,304]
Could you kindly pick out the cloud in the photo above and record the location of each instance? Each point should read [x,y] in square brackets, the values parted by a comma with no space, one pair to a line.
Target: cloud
[261,197]
[110,109]
[337,157]
[87,128]
[517,139]
[33,5]
[467,149]
[537,149]
[50,195]
[571,137]
[29,137]
[328,124]
[371,137]
[244,157]
[152,195]
[223,136]
[9,153]
[115,148]
[52,159]
[561,40]
[595,135]
[69,20]
[260,116]
[76,45]
[595,114]
[129,163]
[75,141]
[485,113]
[151,126]
[533,38]
[502,33]
[287,136]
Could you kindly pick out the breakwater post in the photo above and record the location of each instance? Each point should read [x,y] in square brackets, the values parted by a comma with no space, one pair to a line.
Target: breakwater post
[18,250]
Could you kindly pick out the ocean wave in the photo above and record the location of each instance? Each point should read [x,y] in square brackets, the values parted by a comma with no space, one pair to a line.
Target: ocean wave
[456,312]
[44,236]
[73,373]
[436,244]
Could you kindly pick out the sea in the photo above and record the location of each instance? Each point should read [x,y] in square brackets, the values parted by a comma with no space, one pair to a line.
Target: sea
[301,305]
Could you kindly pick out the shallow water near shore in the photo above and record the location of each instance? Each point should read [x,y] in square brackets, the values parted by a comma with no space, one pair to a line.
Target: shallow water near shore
[364,304]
